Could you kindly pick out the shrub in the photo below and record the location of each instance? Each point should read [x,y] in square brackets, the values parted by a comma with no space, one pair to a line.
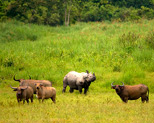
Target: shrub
[90,12]
[127,14]
[145,12]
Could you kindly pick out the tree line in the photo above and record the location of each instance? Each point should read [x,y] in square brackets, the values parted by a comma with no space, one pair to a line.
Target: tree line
[59,12]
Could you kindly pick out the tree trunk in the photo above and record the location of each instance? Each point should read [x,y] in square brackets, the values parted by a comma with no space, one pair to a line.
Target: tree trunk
[67,12]
[68,20]
[65,16]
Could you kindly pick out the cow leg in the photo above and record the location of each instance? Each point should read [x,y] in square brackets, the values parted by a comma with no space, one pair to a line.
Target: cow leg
[147,99]
[24,101]
[27,101]
[71,90]
[125,99]
[143,98]
[42,100]
[31,99]
[80,89]
[18,100]
[53,99]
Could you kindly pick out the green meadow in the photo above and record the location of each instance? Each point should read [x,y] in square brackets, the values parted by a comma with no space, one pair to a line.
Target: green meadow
[115,52]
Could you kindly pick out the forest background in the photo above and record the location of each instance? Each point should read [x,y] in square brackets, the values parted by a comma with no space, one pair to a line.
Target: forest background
[59,12]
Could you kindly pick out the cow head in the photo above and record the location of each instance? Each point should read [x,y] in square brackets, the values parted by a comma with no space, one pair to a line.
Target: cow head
[90,77]
[38,85]
[38,88]
[19,89]
[118,88]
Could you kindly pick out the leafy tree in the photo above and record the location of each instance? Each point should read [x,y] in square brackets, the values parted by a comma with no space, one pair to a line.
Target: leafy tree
[58,12]
[90,12]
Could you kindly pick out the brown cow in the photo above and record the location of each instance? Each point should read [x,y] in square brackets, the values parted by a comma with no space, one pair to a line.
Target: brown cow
[45,92]
[127,92]
[23,93]
[31,83]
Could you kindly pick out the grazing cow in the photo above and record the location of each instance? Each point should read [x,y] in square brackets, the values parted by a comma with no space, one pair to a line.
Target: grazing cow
[127,92]
[45,92]
[31,83]
[78,81]
[23,93]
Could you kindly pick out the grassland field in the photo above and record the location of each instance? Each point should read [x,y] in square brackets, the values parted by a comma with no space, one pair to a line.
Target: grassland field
[114,51]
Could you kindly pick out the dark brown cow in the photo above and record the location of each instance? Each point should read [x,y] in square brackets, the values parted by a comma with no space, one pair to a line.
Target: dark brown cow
[127,92]
[23,93]
[31,83]
[45,92]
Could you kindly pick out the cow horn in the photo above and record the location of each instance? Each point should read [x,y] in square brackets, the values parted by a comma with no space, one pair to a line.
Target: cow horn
[23,88]
[112,84]
[16,79]
[122,84]
[13,87]
[94,74]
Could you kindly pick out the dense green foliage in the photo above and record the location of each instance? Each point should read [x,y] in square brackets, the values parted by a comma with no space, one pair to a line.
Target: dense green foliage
[58,12]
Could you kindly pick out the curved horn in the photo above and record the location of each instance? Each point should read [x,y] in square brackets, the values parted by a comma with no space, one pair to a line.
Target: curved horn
[122,84]
[13,87]
[112,84]
[23,88]
[16,79]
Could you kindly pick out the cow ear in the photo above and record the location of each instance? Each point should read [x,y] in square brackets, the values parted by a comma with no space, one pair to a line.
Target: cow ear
[113,87]
[41,84]
[15,90]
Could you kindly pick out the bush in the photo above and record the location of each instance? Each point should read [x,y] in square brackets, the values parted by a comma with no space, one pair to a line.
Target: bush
[145,12]
[127,14]
[107,12]
[90,12]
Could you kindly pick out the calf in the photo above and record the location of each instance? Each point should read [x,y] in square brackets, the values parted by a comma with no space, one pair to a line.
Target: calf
[23,93]
[45,92]
[127,92]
